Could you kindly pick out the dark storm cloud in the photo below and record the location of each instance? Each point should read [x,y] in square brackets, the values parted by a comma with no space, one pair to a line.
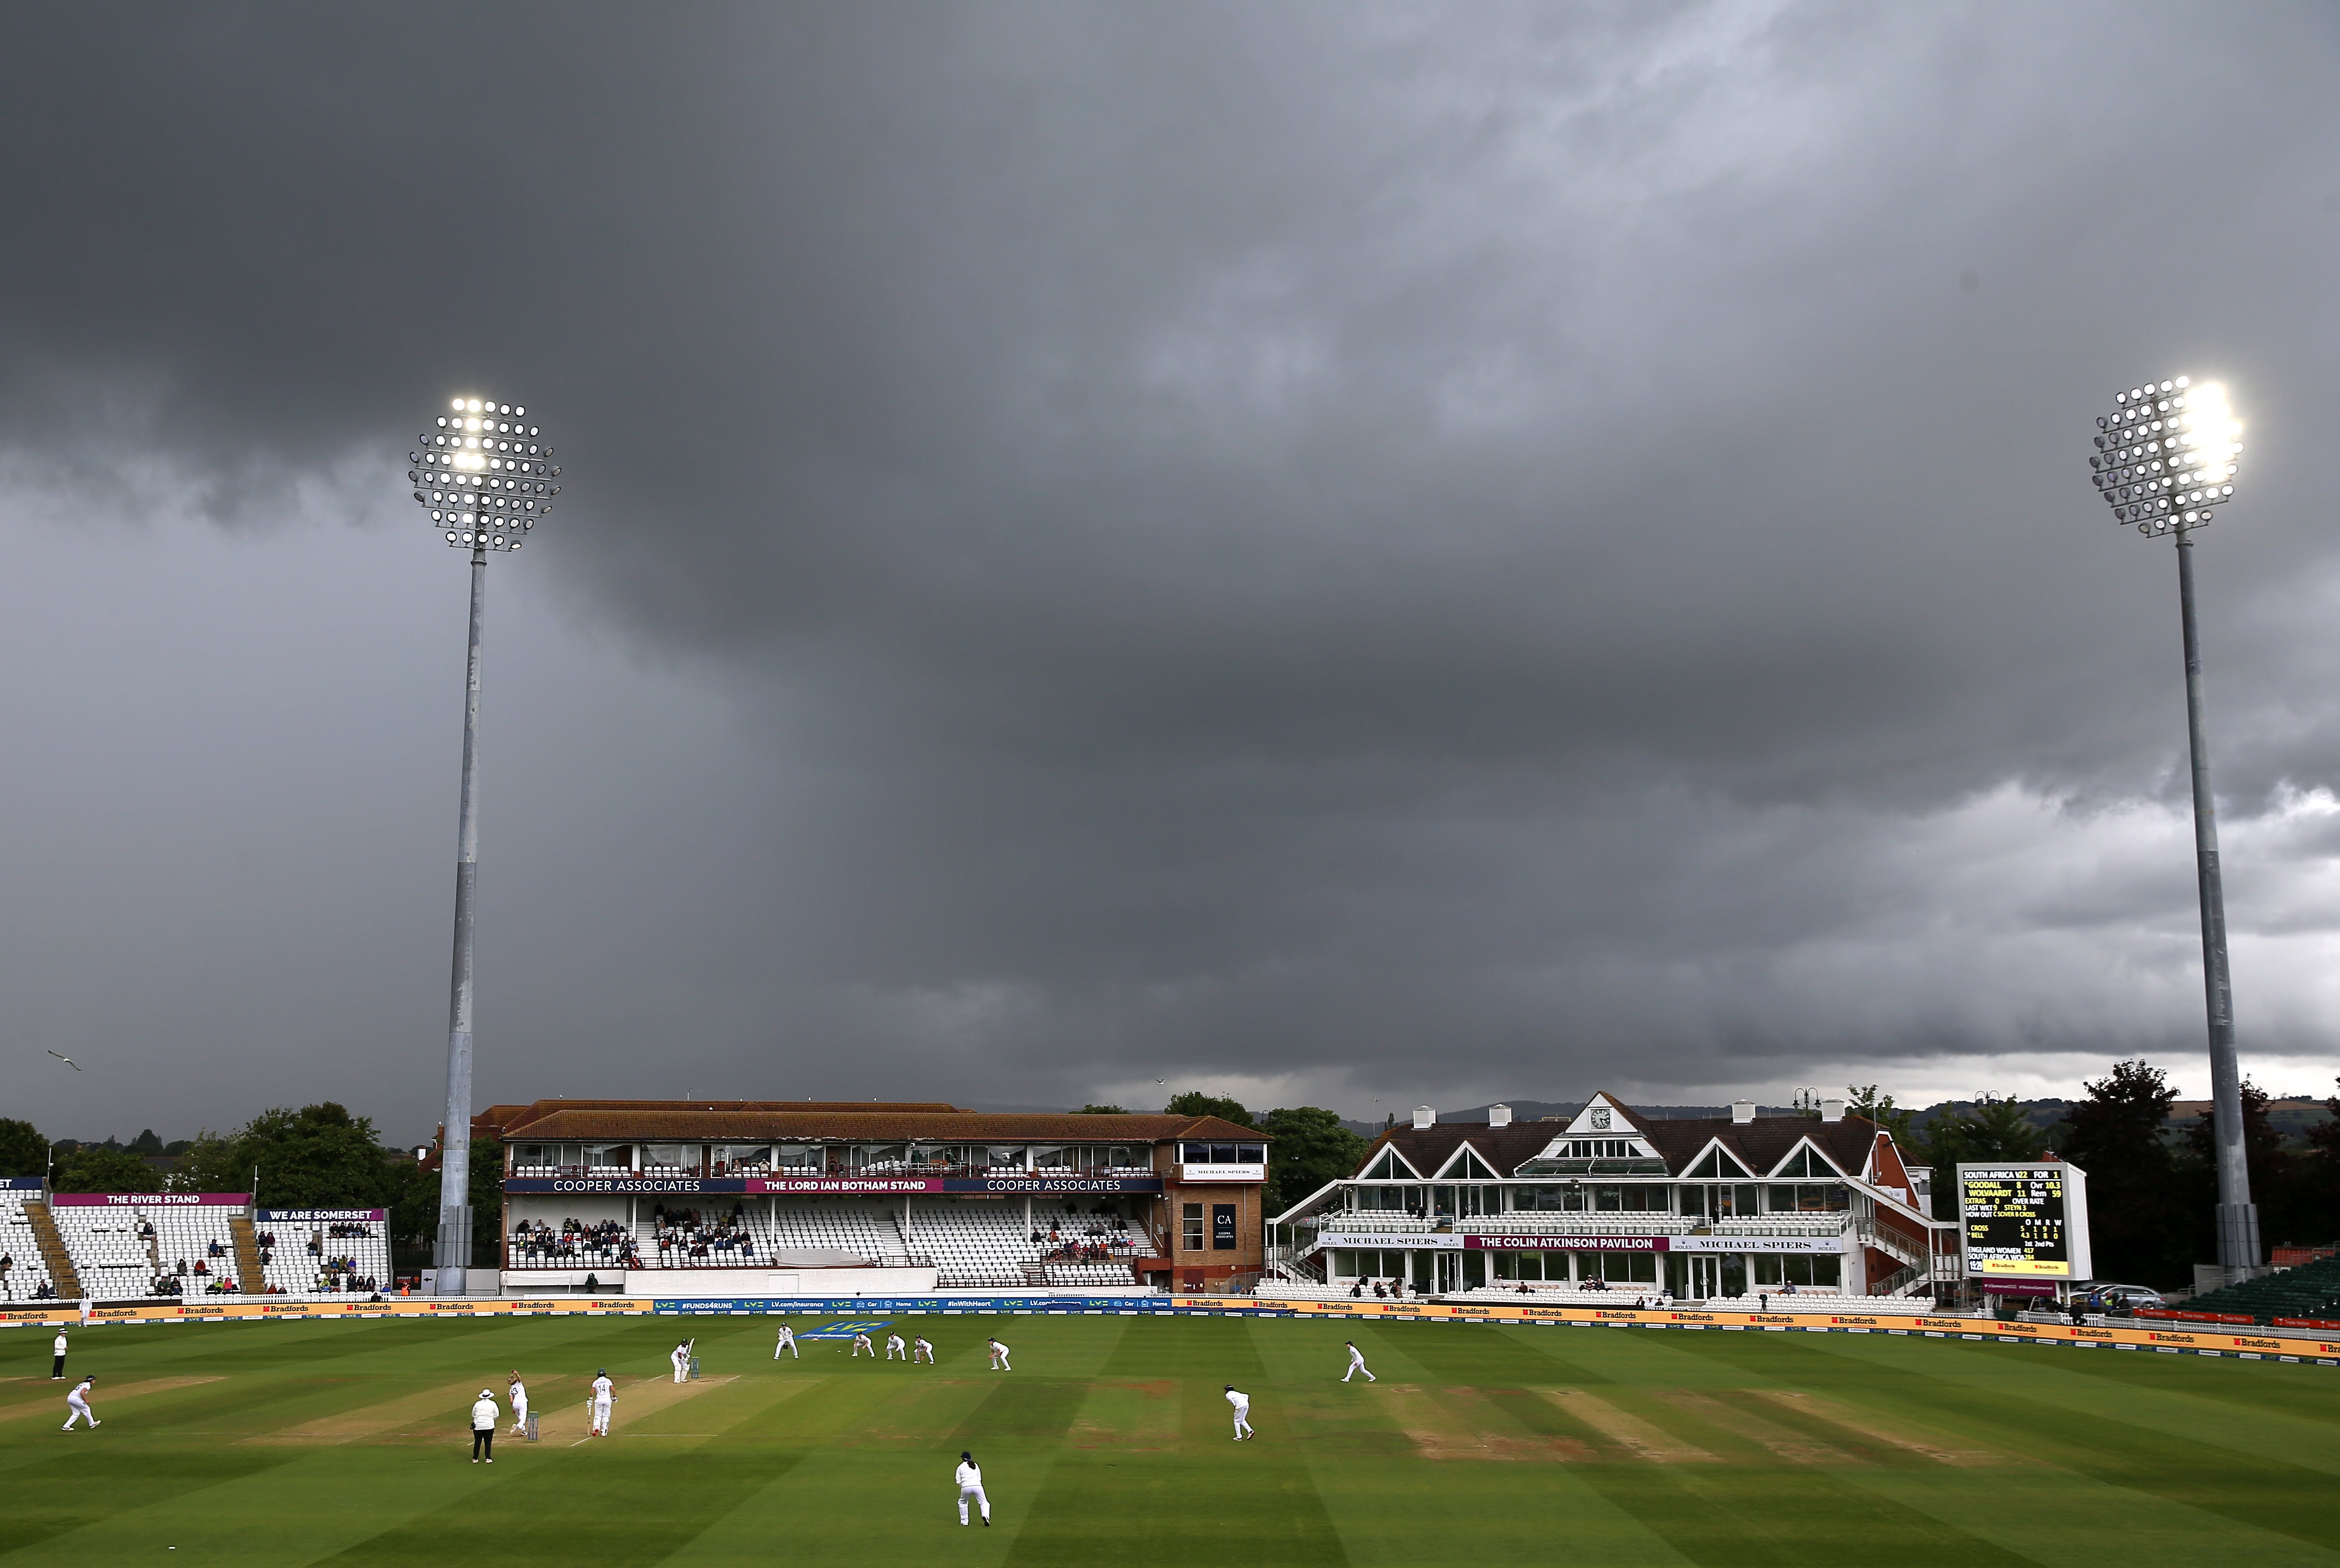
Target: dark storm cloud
[1327,547]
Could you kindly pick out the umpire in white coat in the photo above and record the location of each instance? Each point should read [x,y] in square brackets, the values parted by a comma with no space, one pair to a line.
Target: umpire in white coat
[484,1414]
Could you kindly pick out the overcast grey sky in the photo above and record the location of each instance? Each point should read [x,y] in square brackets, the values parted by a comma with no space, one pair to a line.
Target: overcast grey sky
[1326,552]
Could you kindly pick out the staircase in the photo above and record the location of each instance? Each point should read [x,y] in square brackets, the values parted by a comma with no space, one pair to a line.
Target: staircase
[249,1277]
[54,1257]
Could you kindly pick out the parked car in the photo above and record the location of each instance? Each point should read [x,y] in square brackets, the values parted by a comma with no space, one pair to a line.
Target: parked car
[2121,1298]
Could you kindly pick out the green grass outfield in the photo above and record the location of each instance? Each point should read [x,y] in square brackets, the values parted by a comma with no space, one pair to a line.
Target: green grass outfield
[284,1443]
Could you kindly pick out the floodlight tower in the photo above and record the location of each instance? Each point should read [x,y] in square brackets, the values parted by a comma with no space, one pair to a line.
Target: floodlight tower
[2164,457]
[484,477]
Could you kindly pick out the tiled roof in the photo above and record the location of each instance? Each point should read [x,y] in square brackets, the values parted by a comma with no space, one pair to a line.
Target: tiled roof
[1760,1145]
[786,1121]
[520,1115]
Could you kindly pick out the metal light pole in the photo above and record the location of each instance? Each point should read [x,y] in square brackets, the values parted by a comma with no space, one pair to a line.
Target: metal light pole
[2164,458]
[483,476]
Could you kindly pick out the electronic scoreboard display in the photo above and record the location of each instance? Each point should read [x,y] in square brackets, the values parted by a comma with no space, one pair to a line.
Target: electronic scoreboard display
[2024,1221]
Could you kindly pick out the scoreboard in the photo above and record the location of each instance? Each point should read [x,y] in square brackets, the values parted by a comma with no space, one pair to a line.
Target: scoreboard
[2024,1221]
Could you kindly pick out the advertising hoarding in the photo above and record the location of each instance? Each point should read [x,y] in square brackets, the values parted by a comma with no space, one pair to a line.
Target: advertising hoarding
[148,1199]
[864,1186]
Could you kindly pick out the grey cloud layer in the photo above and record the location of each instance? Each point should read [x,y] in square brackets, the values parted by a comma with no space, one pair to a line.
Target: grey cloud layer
[1504,546]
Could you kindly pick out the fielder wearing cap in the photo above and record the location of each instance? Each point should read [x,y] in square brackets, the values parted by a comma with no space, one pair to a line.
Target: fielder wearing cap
[970,1485]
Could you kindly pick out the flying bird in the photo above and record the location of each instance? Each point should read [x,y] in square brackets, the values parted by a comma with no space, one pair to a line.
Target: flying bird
[66,1059]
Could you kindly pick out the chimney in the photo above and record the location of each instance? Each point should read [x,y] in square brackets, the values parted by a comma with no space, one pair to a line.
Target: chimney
[1423,1116]
[1499,1116]
[1742,1111]
[1831,1110]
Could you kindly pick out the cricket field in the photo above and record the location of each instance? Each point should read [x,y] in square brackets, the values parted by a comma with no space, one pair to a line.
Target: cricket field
[1110,1443]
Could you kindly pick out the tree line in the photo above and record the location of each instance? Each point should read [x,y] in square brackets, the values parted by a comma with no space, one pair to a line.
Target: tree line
[318,1156]
[2152,1186]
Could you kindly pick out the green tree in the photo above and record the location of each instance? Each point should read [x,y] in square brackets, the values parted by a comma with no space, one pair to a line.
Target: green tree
[1194,1102]
[2319,1176]
[1865,1101]
[319,1157]
[413,1198]
[2274,1176]
[2135,1183]
[1101,1111]
[213,1162]
[24,1152]
[96,1168]
[1311,1147]
[146,1143]
[414,1204]
[1992,1128]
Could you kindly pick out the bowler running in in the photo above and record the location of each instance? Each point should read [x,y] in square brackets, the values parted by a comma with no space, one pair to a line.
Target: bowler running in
[998,1357]
[970,1485]
[77,1405]
[787,1342]
[1242,1401]
[1356,1363]
[519,1392]
[605,1395]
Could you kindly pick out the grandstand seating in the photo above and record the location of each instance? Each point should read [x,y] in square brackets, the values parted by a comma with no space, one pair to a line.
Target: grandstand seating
[2310,1291]
[862,1231]
[135,1250]
[25,1271]
[972,1245]
[571,1243]
[976,1245]
[1300,1290]
[348,1255]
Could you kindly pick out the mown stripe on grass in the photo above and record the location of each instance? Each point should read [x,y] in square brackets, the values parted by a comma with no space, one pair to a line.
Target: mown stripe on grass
[1022,1407]
[631,1504]
[1483,1356]
[80,1486]
[1743,1517]
[2022,1410]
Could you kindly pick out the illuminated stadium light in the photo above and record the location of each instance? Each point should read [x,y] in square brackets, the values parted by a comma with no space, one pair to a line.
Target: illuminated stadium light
[2167,455]
[2165,460]
[483,464]
[485,478]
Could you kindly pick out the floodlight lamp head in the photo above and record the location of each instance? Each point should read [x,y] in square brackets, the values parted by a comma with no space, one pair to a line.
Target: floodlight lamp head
[480,475]
[2167,455]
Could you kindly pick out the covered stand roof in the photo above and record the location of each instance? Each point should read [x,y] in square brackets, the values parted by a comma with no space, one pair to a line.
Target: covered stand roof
[805,1121]
[1760,1145]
